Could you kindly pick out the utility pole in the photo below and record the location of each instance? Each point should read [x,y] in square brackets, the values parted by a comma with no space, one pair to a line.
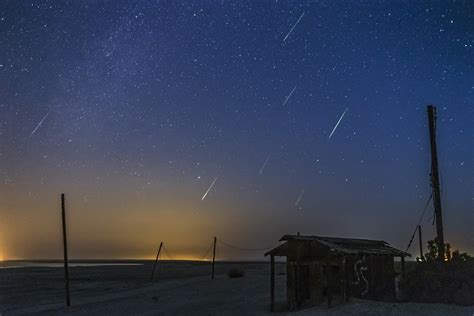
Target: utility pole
[214,257]
[156,261]
[435,182]
[66,266]
[421,243]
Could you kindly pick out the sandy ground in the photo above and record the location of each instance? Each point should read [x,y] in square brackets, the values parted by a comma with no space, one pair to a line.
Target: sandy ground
[183,288]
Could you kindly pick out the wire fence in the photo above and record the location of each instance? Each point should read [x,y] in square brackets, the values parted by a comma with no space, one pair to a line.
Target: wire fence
[207,255]
[167,253]
[242,248]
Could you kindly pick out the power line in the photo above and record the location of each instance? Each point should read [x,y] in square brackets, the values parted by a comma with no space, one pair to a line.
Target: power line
[419,221]
[242,248]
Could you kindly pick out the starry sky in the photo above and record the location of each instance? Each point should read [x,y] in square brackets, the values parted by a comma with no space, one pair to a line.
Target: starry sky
[304,116]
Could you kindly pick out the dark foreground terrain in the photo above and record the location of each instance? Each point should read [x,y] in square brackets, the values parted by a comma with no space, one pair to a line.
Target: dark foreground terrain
[182,288]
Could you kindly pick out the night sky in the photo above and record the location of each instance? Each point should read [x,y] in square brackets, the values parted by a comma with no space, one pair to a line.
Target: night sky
[134,109]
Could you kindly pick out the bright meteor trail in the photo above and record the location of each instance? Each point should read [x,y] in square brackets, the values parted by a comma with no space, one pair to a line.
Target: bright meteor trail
[299,198]
[264,164]
[337,124]
[289,96]
[293,27]
[209,189]
[39,124]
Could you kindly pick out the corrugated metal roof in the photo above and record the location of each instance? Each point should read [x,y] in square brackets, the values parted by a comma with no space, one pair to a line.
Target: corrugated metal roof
[349,246]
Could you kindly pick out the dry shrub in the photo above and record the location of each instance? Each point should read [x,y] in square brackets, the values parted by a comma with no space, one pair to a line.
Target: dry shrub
[235,273]
[435,282]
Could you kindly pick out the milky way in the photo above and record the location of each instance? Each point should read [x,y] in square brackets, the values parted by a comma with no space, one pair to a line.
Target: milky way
[134,107]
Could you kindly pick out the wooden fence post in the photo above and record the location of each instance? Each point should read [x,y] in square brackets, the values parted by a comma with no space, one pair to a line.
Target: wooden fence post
[66,266]
[156,261]
[214,258]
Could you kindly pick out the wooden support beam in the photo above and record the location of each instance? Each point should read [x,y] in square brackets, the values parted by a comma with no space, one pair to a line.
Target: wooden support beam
[344,280]
[272,282]
[403,264]
[329,277]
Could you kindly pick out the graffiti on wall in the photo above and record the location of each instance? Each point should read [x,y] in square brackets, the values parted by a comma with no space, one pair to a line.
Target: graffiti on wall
[360,267]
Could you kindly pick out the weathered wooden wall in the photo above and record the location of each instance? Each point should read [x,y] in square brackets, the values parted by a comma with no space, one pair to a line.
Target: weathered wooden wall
[370,277]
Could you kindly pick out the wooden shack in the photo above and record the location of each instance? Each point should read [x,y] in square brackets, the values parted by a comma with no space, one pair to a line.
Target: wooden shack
[330,269]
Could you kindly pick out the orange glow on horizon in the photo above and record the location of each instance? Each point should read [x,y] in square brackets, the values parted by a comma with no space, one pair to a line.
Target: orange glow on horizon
[186,259]
[1,250]
[179,258]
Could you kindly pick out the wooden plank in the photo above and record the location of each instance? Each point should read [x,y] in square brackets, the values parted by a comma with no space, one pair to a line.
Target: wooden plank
[344,279]
[329,281]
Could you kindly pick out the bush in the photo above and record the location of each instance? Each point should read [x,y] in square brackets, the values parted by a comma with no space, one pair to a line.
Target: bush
[440,282]
[235,273]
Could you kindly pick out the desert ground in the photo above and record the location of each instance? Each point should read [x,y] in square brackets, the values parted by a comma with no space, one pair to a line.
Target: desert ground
[179,288]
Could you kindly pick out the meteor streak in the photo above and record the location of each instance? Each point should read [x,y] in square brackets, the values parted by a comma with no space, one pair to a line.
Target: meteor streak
[264,164]
[299,198]
[289,96]
[293,27]
[337,124]
[209,189]
[39,124]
